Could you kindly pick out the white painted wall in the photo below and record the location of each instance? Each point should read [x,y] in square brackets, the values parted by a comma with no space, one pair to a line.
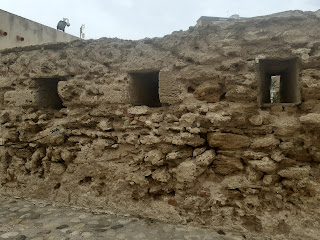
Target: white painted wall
[32,32]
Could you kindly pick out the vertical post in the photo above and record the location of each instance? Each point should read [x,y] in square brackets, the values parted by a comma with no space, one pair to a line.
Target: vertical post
[81,31]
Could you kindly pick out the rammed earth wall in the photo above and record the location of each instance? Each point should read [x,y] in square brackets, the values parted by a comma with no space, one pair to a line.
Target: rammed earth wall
[179,128]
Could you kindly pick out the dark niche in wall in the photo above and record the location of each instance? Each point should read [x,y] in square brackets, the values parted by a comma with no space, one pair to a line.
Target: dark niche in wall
[47,93]
[278,80]
[144,89]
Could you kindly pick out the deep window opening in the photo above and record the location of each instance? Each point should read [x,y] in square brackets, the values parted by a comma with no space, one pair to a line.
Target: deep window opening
[144,89]
[47,94]
[279,81]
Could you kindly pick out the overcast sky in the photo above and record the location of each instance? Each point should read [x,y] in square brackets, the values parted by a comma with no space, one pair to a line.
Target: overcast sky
[137,19]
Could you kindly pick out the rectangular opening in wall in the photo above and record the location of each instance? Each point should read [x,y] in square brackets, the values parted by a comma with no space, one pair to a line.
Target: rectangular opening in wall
[144,89]
[279,81]
[47,93]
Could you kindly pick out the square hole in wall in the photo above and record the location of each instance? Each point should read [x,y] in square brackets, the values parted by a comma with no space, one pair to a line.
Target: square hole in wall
[279,81]
[144,89]
[47,93]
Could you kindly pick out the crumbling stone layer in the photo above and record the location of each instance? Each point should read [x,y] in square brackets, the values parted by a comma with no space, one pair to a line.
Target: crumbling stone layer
[211,154]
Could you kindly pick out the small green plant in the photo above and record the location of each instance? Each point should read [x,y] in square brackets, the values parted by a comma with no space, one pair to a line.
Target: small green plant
[276,97]
[275,90]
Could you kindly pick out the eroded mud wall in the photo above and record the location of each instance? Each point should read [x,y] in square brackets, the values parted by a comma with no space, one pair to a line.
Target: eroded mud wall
[207,148]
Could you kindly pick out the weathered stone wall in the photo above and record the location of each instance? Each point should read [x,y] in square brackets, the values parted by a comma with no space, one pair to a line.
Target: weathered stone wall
[212,154]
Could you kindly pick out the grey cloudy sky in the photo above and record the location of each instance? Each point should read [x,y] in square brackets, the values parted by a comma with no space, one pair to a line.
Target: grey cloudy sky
[136,19]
